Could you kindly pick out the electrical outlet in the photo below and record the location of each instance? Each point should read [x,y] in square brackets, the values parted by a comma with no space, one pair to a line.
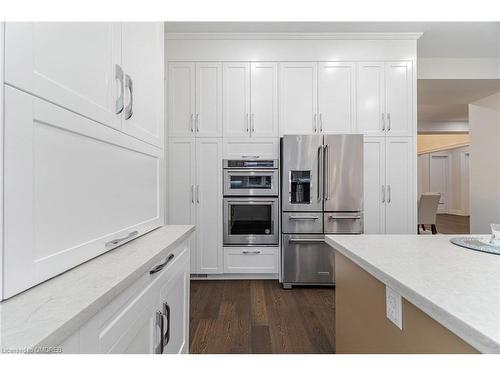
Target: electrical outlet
[393,307]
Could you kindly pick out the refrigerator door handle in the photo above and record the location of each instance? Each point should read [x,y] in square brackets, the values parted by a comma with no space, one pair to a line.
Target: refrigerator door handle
[383,193]
[320,180]
[326,174]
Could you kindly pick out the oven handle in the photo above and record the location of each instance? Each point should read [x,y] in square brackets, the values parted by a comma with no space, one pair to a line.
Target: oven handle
[306,240]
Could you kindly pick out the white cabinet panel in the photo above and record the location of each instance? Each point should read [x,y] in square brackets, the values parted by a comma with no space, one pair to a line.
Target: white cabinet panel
[142,61]
[337,97]
[182,183]
[181,108]
[371,98]
[374,185]
[264,103]
[71,64]
[251,148]
[298,98]
[399,98]
[400,180]
[71,186]
[208,121]
[209,205]
[236,102]
[251,259]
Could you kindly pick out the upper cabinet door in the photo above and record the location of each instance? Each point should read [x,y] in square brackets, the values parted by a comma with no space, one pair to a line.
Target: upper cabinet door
[71,64]
[370,101]
[374,194]
[264,114]
[208,117]
[181,91]
[399,94]
[236,102]
[400,181]
[142,53]
[298,98]
[337,97]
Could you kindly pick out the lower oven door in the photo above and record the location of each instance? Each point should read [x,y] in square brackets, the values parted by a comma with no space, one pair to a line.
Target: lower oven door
[251,221]
[307,259]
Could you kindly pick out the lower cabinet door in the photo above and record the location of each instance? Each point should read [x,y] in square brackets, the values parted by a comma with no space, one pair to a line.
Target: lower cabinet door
[73,189]
[374,189]
[174,305]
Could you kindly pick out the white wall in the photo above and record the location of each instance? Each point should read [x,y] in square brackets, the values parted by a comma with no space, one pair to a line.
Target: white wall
[484,122]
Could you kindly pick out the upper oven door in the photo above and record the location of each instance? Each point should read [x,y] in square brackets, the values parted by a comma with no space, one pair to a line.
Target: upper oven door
[251,221]
[255,182]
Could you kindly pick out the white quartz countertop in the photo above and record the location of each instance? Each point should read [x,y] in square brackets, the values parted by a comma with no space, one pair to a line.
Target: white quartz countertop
[458,287]
[47,314]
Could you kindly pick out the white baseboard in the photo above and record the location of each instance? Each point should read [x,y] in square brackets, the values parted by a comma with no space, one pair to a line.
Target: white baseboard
[236,276]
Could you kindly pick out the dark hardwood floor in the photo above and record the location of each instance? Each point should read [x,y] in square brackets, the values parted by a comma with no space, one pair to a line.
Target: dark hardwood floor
[258,316]
[452,224]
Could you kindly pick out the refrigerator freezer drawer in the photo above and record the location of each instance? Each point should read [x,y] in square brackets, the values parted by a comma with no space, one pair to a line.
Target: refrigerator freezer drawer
[307,259]
[302,222]
[343,222]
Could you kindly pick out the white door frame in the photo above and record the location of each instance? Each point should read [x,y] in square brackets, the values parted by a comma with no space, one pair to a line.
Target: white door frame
[442,209]
[465,200]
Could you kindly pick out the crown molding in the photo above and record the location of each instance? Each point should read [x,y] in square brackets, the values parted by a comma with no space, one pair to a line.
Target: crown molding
[293,36]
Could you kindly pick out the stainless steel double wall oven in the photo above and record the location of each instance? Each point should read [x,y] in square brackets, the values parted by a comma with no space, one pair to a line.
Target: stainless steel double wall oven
[251,202]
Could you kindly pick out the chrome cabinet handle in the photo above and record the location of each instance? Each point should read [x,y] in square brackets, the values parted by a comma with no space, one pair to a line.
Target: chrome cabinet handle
[118,240]
[247,122]
[192,193]
[119,78]
[306,240]
[250,156]
[166,314]
[315,122]
[247,252]
[197,122]
[383,122]
[129,108]
[321,122]
[191,121]
[252,122]
[383,193]
[161,325]
[340,217]
[159,267]
[303,218]
[326,174]
[388,193]
[389,121]
[197,193]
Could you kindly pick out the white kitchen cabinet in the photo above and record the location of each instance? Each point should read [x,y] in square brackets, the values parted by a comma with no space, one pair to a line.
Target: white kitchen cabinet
[298,98]
[182,177]
[385,98]
[399,98]
[72,190]
[209,205]
[143,66]
[208,116]
[195,99]
[196,197]
[389,179]
[337,97]
[374,185]
[236,99]
[134,322]
[251,148]
[264,99]
[400,181]
[71,64]
[251,259]
[250,100]
[371,98]
[181,107]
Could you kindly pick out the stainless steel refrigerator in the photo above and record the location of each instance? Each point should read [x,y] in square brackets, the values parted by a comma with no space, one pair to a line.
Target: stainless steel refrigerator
[322,193]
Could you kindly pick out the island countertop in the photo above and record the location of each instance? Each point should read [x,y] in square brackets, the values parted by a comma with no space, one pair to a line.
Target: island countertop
[457,287]
[48,313]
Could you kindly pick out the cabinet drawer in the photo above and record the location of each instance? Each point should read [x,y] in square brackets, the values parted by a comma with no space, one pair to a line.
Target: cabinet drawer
[262,148]
[302,222]
[344,222]
[251,259]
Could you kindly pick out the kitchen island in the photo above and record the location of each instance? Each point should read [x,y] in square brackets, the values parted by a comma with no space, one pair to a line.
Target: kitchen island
[450,295]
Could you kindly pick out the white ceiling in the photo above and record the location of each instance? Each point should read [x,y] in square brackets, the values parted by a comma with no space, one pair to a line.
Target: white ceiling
[446,100]
[440,39]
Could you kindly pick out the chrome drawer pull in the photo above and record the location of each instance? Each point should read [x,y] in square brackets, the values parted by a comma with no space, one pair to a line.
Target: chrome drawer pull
[159,267]
[331,217]
[161,325]
[118,240]
[251,252]
[306,240]
[303,218]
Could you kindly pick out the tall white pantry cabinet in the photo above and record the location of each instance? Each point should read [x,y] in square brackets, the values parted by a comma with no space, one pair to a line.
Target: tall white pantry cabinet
[83,143]
[269,85]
